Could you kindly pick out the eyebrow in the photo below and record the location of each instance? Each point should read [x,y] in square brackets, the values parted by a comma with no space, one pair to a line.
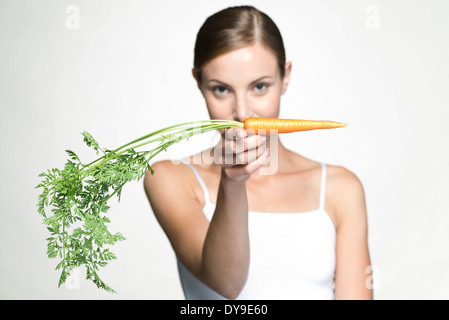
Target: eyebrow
[255,81]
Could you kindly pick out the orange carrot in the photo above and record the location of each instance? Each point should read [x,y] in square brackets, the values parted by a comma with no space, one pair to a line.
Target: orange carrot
[288,125]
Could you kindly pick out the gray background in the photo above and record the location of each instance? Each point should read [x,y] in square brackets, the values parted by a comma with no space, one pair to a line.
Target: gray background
[120,69]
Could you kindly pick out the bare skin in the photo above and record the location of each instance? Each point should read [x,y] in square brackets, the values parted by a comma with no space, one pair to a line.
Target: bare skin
[247,82]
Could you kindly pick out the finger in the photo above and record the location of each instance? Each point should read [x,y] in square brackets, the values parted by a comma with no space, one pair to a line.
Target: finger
[249,143]
[235,147]
[250,168]
[258,163]
[256,141]
[247,156]
[250,155]
[235,133]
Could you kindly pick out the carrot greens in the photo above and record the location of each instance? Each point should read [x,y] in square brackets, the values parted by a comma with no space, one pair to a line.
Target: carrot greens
[74,199]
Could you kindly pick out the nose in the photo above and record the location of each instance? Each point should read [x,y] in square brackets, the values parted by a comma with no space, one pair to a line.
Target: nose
[241,107]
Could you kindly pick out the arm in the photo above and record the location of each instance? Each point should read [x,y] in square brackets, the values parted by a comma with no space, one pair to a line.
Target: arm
[217,253]
[225,255]
[352,254]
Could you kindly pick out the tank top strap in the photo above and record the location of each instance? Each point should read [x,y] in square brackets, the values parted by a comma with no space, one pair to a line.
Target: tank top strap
[201,182]
[323,185]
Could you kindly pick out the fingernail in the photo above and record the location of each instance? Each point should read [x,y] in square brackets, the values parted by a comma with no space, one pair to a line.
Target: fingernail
[267,151]
[241,134]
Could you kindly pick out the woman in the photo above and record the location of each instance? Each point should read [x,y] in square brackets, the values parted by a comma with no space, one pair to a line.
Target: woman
[300,233]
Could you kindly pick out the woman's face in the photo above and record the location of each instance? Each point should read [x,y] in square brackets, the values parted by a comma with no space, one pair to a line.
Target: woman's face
[244,82]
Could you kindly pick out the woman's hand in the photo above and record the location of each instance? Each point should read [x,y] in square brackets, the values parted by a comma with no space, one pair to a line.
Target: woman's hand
[240,154]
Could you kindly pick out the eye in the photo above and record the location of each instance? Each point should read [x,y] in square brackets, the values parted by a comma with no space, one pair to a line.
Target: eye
[260,87]
[220,90]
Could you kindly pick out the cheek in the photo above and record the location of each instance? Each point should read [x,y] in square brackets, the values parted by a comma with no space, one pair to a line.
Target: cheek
[218,109]
[269,105]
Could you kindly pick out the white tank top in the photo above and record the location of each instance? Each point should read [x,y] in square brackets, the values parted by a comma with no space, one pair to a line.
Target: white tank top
[292,255]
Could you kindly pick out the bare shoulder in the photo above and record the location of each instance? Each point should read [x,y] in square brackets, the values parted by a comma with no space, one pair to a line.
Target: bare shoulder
[342,177]
[345,197]
[164,173]
[169,181]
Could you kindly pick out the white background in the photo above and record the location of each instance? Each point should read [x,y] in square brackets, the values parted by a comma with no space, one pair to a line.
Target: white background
[380,66]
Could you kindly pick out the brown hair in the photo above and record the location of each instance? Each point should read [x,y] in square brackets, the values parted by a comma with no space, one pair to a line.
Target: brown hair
[234,28]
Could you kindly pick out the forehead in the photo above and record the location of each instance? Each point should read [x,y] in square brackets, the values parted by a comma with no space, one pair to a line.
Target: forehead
[242,65]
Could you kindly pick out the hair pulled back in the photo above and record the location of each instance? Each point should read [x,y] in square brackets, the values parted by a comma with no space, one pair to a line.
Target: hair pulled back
[234,28]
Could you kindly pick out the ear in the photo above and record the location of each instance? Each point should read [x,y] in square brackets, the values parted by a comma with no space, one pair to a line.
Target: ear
[195,75]
[286,80]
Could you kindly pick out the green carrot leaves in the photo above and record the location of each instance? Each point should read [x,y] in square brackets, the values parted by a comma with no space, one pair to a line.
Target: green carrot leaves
[78,196]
